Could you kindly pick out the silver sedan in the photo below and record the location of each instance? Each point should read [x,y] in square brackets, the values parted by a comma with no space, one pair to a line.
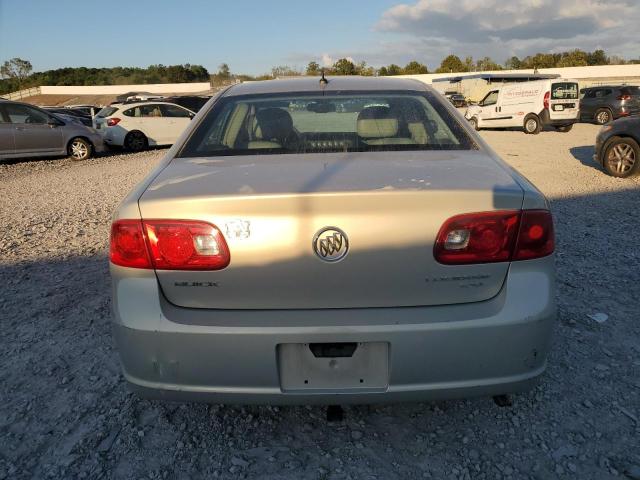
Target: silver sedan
[28,131]
[348,241]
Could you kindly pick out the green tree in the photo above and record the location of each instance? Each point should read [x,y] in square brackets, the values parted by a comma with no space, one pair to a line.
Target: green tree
[487,64]
[363,69]
[224,73]
[574,58]
[383,72]
[394,69]
[16,69]
[344,66]
[313,68]
[452,64]
[513,63]
[415,68]
[284,71]
[597,57]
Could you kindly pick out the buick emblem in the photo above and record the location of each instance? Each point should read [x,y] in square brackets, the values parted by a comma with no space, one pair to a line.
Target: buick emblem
[331,244]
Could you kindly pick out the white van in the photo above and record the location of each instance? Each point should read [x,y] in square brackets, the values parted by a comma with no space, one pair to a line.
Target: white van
[528,105]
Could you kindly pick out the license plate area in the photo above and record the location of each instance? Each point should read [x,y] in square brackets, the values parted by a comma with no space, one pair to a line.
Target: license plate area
[310,368]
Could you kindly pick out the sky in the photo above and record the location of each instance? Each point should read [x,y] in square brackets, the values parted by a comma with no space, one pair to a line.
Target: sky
[254,36]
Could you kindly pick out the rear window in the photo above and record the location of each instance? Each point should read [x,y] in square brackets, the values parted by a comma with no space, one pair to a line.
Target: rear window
[564,91]
[630,90]
[107,112]
[335,122]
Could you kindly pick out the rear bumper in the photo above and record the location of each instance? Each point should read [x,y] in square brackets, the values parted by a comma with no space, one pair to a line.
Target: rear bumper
[557,122]
[485,348]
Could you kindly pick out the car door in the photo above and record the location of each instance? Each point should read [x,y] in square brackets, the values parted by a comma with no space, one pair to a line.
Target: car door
[153,124]
[587,104]
[7,145]
[34,131]
[177,119]
[488,109]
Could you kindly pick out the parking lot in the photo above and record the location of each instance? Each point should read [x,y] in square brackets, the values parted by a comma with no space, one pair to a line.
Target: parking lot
[65,411]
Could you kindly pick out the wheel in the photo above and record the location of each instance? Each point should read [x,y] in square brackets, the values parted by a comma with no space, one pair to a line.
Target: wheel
[136,141]
[532,124]
[565,128]
[621,157]
[79,149]
[474,123]
[603,116]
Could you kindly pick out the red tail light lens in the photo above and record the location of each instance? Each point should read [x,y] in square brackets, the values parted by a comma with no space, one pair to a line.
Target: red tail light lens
[168,245]
[477,238]
[112,122]
[546,100]
[127,247]
[186,245]
[536,236]
[500,236]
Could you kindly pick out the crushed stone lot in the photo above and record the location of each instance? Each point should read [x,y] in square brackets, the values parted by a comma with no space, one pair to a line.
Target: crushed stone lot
[65,411]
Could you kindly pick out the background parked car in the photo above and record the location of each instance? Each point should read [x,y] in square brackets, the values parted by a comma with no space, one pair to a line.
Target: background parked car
[192,102]
[71,112]
[136,126]
[90,110]
[608,102]
[617,147]
[28,131]
[458,100]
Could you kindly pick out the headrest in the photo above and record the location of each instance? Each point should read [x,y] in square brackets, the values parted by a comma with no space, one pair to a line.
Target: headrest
[274,123]
[377,122]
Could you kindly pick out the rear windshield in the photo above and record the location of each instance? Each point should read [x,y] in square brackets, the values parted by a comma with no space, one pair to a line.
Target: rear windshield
[107,112]
[336,122]
[564,91]
[631,90]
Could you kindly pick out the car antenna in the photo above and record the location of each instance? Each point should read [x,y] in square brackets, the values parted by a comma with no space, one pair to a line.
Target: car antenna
[323,81]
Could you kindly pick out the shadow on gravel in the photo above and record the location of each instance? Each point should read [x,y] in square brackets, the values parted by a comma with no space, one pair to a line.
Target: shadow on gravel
[66,413]
[585,156]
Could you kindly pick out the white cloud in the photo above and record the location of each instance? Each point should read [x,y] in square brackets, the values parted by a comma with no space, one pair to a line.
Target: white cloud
[499,29]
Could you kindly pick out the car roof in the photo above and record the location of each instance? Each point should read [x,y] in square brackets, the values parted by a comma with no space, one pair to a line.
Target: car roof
[337,83]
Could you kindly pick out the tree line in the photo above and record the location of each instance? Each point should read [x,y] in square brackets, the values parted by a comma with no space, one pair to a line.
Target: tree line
[16,74]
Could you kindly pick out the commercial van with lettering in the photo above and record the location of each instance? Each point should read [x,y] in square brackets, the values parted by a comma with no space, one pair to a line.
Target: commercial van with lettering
[528,105]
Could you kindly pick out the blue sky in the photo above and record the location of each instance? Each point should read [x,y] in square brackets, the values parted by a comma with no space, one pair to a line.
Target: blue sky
[253,36]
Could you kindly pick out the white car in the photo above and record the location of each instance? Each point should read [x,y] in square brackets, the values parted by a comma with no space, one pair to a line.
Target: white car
[528,105]
[137,126]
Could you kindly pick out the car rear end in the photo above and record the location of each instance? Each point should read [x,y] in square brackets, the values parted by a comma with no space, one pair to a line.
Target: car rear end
[627,102]
[561,103]
[107,124]
[409,268]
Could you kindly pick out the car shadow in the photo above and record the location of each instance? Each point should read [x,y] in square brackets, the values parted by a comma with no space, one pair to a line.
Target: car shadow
[584,155]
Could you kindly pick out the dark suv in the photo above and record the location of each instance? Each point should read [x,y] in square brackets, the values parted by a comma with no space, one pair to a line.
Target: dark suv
[608,102]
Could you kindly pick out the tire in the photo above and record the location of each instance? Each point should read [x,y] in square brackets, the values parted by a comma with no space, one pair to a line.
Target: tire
[79,149]
[603,116]
[532,124]
[622,157]
[474,123]
[136,141]
[564,128]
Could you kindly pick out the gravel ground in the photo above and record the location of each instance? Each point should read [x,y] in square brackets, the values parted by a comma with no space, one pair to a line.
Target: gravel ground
[65,411]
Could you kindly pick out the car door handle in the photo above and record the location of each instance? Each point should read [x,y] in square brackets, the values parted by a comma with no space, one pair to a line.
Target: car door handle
[20,128]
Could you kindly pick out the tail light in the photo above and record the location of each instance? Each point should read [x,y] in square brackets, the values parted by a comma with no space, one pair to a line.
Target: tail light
[168,245]
[112,122]
[499,236]
[546,100]
[624,97]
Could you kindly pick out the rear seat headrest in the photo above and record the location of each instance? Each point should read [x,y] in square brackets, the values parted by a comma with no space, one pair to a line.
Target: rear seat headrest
[377,122]
[274,123]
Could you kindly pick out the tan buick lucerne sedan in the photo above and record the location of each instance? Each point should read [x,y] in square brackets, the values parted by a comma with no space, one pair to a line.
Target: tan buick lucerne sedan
[349,241]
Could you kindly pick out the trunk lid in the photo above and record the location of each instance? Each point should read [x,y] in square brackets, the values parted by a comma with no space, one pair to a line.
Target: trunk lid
[270,208]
